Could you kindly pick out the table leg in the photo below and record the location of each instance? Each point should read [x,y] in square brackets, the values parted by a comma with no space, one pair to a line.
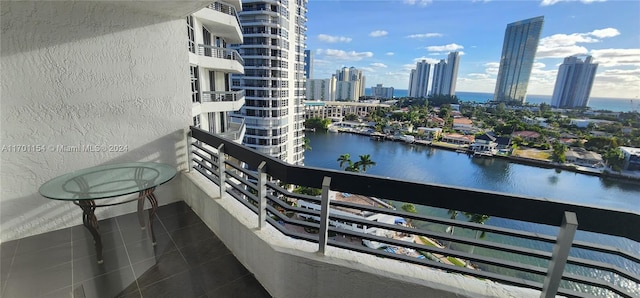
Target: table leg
[148,194]
[140,210]
[90,222]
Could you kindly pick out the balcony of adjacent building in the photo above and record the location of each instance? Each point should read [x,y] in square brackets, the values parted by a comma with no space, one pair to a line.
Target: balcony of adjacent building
[222,18]
[218,101]
[217,58]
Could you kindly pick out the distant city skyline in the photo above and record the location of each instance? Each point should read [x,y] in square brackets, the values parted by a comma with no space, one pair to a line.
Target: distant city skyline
[428,30]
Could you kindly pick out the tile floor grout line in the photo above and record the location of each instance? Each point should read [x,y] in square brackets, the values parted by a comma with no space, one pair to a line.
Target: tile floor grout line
[172,241]
[72,251]
[230,282]
[13,257]
[126,251]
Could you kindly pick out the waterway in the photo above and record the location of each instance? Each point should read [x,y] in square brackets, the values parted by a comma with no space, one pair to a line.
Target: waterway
[425,164]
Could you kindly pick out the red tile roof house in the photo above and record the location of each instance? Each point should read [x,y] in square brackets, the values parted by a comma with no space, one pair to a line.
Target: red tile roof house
[458,139]
[526,135]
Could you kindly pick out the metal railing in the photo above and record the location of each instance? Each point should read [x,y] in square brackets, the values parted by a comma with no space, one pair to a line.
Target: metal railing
[235,128]
[219,52]
[551,264]
[228,9]
[220,96]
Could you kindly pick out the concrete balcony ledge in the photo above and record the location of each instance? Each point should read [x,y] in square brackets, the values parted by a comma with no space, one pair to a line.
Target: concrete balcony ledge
[288,267]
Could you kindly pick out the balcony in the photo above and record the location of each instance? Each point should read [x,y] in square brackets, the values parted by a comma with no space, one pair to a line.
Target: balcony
[219,101]
[235,129]
[218,58]
[222,19]
[266,211]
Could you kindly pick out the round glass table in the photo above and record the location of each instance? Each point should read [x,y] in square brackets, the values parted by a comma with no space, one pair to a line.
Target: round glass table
[107,183]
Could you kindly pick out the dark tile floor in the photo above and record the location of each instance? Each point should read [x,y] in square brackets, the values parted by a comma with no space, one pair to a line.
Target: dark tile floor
[188,261]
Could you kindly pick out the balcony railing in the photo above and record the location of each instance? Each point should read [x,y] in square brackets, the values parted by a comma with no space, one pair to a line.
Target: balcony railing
[220,96]
[235,128]
[551,264]
[219,52]
[228,9]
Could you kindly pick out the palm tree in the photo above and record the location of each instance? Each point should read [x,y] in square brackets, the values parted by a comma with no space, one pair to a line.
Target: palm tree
[479,219]
[344,158]
[365,162]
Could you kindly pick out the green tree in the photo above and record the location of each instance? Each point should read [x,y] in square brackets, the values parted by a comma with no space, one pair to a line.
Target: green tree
[559,151]
[408,207]
[351,117]
[365,162]
[308,191]
[344,158]
[615,159]
[317,123]
[307,144]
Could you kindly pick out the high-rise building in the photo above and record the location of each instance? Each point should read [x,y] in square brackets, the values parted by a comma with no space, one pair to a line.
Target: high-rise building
[445,75]
[518,53]
[210,32]
[419,80]
[274,79]
[382,92]
[308,64]
[574,82]
[321,89]
[353,90]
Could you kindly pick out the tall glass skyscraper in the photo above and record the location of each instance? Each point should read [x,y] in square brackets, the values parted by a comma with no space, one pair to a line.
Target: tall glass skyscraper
[518,52]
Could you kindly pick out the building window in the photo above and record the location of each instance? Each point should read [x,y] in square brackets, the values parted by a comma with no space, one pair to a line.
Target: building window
[195,85]
[196,121]
[191,34]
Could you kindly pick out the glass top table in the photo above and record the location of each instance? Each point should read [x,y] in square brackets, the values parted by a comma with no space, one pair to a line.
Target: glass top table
[106,183]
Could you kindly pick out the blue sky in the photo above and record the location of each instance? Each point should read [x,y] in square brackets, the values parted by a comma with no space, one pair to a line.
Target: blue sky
[386,38]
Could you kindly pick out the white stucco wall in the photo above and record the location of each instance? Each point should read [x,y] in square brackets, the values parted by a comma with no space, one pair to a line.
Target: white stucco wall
[87,73]
[288,267]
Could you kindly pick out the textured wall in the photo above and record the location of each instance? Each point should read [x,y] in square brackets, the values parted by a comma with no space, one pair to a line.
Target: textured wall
[85,73]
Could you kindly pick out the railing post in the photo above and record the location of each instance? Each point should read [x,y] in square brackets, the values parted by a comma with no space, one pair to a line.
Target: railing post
[262,195]
[560,255]
[221,170]
[324,216]
[189,140]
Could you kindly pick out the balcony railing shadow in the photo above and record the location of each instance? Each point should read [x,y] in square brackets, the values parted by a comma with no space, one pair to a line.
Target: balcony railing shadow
[552,264]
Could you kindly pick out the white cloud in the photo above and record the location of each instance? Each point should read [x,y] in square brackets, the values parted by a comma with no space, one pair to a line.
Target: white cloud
[378,33]
[418,2]
[435,54]
[564,45]
[344,55]
[445,48]
[333,39]
[607,32]
[424,35]
[552,2]
[389,54]
[492,68]
[616,57]
[378,64]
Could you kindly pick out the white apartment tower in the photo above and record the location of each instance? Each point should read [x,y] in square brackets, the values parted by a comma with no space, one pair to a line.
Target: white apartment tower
[355,86]
[321,89]
[419,80]
[574,83]
[445,75]
[274,78]
[382,92]
[210,32]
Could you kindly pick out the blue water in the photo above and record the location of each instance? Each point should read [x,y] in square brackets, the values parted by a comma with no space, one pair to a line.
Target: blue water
[419,163]
[595,103]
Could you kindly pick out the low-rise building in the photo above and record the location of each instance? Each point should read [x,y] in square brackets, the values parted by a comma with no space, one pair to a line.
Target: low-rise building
[458,139]
[430,132]
[484,143]
[631,158]
[526,135]
[583,157]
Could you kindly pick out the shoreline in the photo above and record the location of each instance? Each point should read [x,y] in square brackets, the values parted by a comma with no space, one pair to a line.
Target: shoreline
[515,159]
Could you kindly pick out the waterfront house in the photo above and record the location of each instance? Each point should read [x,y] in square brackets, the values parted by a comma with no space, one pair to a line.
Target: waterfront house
[631,158]
[430,133]
[484,143]
[583,157]
[436,120]
[526,135]
[462,122]
[458,139]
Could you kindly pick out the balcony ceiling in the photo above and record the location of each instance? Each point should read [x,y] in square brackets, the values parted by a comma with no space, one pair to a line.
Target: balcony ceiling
[168,8]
